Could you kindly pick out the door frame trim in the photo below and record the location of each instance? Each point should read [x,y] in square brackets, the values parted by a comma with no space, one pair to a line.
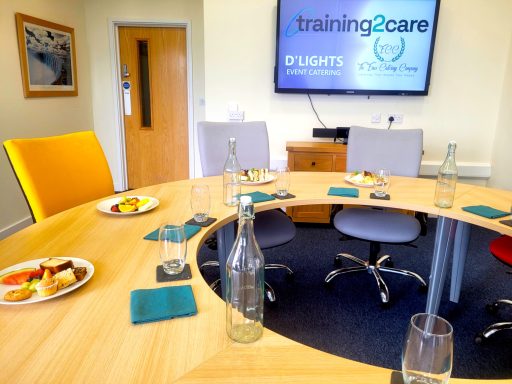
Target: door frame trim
[114,24]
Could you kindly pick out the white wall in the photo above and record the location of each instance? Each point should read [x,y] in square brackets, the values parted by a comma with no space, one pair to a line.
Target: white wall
[470,61]
[502,149]
[36,117]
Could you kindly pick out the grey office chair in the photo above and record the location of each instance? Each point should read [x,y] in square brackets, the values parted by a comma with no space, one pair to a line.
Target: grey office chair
[368,149]
[271,228]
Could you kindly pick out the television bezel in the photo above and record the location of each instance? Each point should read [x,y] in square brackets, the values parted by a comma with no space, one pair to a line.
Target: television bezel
[365,92]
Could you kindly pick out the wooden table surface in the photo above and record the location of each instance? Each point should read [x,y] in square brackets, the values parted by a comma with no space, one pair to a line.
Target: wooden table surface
[86,336]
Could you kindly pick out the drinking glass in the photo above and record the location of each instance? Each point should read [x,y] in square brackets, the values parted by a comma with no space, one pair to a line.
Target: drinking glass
[428,350]
[381,180]
[173,248]
[282,181]
[200,202]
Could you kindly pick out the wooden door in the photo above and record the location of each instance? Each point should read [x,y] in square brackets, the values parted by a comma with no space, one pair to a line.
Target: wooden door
[154,70]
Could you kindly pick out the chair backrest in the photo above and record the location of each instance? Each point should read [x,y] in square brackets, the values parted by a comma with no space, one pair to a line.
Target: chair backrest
[60,172]
[398,150]
[252,149]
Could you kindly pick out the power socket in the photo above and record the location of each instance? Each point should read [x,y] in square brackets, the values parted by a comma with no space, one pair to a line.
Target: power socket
[376,118]
[398,118]
[236,115]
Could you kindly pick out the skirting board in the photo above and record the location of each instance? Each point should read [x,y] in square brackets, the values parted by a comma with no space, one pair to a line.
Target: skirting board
[13,228]
[466,169]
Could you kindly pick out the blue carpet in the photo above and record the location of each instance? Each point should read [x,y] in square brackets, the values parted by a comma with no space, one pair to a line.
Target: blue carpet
[347,319]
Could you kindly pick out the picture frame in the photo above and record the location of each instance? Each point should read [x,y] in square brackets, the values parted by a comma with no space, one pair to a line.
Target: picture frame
[47,57]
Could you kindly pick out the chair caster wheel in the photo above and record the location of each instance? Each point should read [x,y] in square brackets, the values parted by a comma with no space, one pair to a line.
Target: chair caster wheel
[270,304]
[479,339]
[328,285]
[211,243]
[492,308]
[337,262]
[290,277]
[423,289]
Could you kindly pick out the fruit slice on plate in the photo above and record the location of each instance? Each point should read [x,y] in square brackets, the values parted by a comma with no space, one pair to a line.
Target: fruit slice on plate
[127,208]
[16,277]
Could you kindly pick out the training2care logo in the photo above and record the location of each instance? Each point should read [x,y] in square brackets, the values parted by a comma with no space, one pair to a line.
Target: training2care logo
[386,52]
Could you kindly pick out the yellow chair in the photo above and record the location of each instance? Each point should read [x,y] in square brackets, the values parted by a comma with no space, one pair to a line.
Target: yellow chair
[60,172]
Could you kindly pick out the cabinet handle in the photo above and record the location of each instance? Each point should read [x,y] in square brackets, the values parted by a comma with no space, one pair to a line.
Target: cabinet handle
[313,163]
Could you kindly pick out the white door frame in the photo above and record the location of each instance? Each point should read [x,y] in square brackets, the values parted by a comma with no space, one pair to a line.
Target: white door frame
[114,24]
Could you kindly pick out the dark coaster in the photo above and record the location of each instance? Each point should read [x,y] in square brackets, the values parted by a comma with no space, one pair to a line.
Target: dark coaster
[506,222]
[288,196]
[203,224]
[161,276]
[397,378]
[374,196]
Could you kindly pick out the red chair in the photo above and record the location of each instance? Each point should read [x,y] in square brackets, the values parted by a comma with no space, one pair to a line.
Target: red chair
[501,248]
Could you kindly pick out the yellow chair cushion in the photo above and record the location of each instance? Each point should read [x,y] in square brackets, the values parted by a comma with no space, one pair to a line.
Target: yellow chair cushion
[60,172]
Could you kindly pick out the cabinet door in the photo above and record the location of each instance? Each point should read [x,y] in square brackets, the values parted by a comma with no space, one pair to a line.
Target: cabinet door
[318,213]
[340,163]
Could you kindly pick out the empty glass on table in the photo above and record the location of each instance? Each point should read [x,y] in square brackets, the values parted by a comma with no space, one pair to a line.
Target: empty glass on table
[173,248]
[282,181]
[428,350]
[200,202]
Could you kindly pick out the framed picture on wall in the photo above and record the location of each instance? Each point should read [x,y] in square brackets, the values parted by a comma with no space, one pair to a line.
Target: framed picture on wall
[47,57]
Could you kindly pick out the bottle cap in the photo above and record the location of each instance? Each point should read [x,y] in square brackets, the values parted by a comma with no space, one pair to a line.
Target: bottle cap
[245,200]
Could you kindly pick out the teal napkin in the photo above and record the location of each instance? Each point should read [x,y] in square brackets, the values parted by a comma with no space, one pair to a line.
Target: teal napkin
[148,305]
[258,197]
[345,192]
[485,211]
[190,230]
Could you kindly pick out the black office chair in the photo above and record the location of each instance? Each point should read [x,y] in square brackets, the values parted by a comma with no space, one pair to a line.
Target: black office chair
[368,149]
[272,228]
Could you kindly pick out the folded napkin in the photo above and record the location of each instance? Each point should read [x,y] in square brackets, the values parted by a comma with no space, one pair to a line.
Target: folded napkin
[345,192]
[190,230]
[147,305]
[258,197]
[485,211]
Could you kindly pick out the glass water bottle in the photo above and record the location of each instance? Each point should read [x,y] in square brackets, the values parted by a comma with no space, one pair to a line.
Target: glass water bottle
[447,179]
[245,271]
[232,188]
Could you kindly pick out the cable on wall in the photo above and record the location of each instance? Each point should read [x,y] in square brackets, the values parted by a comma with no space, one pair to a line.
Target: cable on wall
[314,110]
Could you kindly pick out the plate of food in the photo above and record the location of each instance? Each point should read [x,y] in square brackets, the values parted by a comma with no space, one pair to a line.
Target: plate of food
[43,279]
[255,176]
[127,205]
[360,178]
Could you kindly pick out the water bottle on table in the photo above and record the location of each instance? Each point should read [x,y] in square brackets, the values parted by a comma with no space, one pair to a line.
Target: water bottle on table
[245,280]
[447,179]
[232,186]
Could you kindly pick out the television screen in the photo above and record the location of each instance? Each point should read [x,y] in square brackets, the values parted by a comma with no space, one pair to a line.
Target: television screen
[369,47]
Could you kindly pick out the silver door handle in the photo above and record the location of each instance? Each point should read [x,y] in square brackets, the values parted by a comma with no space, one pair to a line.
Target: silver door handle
[125,71]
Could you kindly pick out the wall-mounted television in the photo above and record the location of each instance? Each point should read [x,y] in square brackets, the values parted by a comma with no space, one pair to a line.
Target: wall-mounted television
[367,47]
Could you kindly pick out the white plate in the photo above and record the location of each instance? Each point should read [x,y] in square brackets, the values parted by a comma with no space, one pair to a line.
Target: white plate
[35,264]
[105,205]
[267,180]
[347,179]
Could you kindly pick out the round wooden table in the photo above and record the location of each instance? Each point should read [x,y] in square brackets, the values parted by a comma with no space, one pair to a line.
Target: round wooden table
[86,335]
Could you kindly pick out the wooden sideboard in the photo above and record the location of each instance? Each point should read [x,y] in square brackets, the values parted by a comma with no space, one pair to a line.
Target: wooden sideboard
[314,157]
